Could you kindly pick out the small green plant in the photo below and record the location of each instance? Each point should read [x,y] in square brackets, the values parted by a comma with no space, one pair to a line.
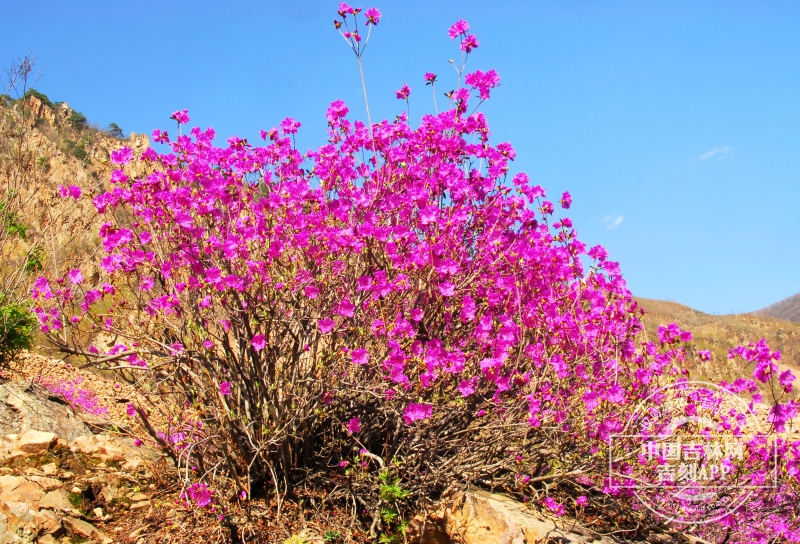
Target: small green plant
[10,223]
[76,149]
[33,263]
[115,130]
[16,330]
[331,536]
[43,163]
[392,494]
[77,120]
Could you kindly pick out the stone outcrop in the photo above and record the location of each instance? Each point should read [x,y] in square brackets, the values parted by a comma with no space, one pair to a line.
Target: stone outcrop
[57,479]
[25,407]
[479,517]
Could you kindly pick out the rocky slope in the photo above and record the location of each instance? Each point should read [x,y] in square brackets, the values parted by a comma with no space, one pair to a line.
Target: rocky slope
[60,482]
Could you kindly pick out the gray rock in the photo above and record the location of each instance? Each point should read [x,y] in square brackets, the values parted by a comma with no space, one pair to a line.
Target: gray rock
[25,407]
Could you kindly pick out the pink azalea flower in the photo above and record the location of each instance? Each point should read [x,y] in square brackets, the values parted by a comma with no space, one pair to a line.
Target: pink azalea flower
[123,155]
[181,116]
[591,400]
[199,493]
[160,136]
[416,412]
[466,388]
[459,28]
[130,409]
[404,92]
[225,388]
[786,379]
[364,283]
[326,325]
[337,110]
[73,190]
[447,289]
[359,356]
[75,276]
[373,16]
[779,414]
[290,126]
[553,506]
[430,77]
[566,200]
[311,291]
[354,426]
[344,9]
[259,342]
[346,308]
[469,43]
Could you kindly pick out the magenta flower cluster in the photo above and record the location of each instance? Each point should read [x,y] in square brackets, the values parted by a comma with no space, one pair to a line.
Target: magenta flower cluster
[75,396]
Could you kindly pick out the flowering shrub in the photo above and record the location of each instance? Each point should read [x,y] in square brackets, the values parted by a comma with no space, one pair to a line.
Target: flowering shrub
[394,306]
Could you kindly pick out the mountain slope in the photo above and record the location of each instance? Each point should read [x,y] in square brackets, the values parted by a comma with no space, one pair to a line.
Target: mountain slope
[787,309]
[719,333]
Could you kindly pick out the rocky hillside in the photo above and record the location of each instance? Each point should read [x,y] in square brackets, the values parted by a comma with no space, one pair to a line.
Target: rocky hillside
[47,148]
[719,333]
[787,309]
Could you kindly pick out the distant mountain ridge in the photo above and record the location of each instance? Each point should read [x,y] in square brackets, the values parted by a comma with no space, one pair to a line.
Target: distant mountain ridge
[787,309]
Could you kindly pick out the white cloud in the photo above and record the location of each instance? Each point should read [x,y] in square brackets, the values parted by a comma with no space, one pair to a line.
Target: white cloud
[724,150]
[612,222]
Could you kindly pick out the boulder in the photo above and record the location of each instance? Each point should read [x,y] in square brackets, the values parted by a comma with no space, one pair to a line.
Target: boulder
[480,517]
[84,529]
[26,407]
[58,500]
[47,484]
[19,489]
[111,448]
[35,441]
[47,522]
[12,538]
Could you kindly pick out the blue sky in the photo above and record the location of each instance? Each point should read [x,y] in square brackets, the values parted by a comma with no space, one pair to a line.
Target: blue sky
[675,125]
